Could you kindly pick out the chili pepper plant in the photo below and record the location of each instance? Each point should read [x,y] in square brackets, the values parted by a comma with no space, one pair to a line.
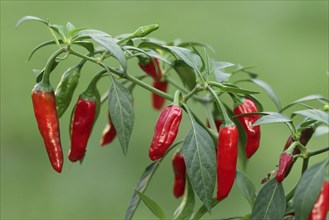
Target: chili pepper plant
[205,161]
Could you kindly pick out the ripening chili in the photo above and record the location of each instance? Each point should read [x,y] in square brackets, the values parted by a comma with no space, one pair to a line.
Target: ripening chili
[179,168]
[44,104]
[159,101]
[166,130]
[321,206]
[65,89]
[252,132]
[227,154]
[150,69]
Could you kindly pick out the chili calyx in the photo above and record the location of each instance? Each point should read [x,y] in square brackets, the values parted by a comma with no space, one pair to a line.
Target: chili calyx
[252,132]
[44,105]
[166,130]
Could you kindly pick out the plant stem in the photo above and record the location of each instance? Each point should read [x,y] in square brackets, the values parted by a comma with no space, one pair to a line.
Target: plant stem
[290,194]
[313,153]
[305,164]
[45,78]
[191,93]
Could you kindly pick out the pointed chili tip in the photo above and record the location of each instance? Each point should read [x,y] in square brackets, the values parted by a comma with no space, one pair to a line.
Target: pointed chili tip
[57,167]
[220,197]
[279,177]
[153,155]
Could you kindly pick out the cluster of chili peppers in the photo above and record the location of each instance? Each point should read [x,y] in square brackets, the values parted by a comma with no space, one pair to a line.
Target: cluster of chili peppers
[153,69]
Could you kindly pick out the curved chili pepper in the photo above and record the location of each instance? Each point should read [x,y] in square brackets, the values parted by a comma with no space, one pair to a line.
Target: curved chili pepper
[286,161]
[159,101]
[81,126]
[109,133]
[179,167]
[227,155]
[321,206]
[65,89]
[44,104]
[166,130]
[150,69]
[252,132]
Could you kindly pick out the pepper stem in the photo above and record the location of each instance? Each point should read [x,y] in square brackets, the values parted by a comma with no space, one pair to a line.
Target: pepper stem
[91,89]
[177,97]
[45,77]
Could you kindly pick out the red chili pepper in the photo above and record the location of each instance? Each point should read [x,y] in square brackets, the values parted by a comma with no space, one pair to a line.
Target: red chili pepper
[81,126]
[149,68]
[227,154]
[109,133]
[166,130]
[286,161]
[179,167]
[44,104]
[252,132]
[159,101]
[321,206]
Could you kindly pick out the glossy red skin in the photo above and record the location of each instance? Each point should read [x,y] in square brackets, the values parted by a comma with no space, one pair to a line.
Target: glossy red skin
[321,206]
[285,163]
[109,133]
[227,155]
[166,130]
[44,104]
[149,69]
[252,133]
[159,101]
[81,127]
[179,167]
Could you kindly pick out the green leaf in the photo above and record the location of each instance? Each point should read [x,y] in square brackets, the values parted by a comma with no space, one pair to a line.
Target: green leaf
[30,18]
[203,210]
[272,117]
[200,158]
[246,187]
[70,26]
[186,74]
[152,205]
[314,114]
[185,208]
[86,44]
[304,99]
[41,46]
[83,33]
[141,187]
[60,29]
[321,130]
[270,202]
[270,92]
[110,45]
[225,87]
[122,112]
[308,189]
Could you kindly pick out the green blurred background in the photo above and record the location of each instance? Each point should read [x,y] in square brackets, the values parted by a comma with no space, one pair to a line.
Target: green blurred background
[286,41]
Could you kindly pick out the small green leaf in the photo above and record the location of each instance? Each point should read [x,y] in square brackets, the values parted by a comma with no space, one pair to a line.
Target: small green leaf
[122,112]
[51,42]
[70,26]
[153,206]
[186,74]
[60,29]
[314,114]
[234,89]
[308,189]
[246,187]
[272,117]
[270,202]
[30,18]
[200,158]
[185,208]
[86,44]
[321,130]
[141,187]
[270,92]
[304,99]
[87,34]
[110,45]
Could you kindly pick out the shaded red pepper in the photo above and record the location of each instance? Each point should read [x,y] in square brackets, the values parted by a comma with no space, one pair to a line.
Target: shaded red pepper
[149,68]
[252,132]
[81,126]
[321,206]
[44,104]
[227,155]
[285,163]
[109,133]
[179,167]
[166,130]
[305,136]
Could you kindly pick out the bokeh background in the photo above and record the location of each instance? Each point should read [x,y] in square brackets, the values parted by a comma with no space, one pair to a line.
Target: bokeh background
[287,41]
